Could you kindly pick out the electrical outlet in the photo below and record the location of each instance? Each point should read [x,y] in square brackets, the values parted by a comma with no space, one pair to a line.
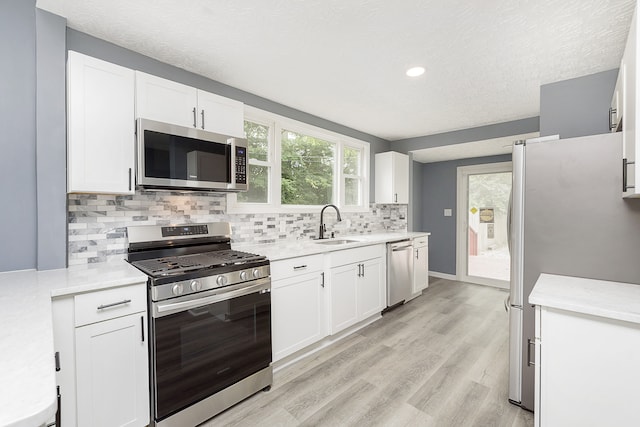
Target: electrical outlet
[448,212]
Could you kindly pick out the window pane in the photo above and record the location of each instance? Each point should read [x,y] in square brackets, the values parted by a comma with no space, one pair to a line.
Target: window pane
[258,140]
[258,185]
[351,192]
[351,161]
[307,170]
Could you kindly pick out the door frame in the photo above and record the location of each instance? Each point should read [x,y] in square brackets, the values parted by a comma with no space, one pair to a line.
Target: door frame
[462,220]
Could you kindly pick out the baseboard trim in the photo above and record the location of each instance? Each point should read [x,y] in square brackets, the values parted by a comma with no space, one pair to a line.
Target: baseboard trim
[443,275]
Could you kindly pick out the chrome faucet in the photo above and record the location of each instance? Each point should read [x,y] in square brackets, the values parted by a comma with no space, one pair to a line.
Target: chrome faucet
[322,226]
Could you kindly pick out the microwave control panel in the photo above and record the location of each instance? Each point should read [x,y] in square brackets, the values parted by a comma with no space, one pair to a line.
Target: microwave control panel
[241,165]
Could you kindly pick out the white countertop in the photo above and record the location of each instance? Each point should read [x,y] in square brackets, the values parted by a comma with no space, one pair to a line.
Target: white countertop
[28,392]
[291,249]
[613,300]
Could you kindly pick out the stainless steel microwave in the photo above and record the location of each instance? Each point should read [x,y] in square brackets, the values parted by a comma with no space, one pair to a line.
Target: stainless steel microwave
[177,157]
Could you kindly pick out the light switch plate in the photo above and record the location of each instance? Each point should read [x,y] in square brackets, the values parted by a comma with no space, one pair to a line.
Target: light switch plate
[447,212]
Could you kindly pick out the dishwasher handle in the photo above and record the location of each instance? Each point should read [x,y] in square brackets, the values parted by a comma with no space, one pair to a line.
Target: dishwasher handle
[401,248]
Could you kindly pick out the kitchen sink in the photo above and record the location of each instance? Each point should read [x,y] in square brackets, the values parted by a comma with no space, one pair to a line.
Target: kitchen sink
[334,241]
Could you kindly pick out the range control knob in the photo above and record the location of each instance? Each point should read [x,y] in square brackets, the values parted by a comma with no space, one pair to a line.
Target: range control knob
[177,289]
[256,273]
[221,280]
[196,285]
[244,275]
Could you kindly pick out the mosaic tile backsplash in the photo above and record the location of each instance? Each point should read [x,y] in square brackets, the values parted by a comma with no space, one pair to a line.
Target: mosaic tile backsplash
[98,223]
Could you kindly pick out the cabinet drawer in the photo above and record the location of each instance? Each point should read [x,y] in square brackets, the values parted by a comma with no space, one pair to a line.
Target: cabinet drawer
[109,304]
[420,241]
[349,256]
[295,266]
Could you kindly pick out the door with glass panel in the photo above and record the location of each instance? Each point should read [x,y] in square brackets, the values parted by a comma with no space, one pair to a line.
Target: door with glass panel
[483,249]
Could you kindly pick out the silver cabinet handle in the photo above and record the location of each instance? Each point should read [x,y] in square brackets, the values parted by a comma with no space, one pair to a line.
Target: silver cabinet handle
[322,275]
[195,125]
[396,197]
[625,164]
[113,304]
[129,179]
[300,267]
[417,253]
[612,111]
[529,362]
[362,270]
[202,114]
[142,327]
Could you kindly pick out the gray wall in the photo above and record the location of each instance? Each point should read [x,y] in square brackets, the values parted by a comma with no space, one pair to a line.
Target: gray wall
[439,190]
[18,124]
[51,141]
[415,202]
[577,107]
[84,43]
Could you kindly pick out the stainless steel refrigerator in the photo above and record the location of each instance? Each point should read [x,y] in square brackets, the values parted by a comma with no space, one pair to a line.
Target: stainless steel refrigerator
[568,217]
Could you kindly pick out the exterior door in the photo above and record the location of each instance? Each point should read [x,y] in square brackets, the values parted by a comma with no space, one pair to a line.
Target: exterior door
[483,250]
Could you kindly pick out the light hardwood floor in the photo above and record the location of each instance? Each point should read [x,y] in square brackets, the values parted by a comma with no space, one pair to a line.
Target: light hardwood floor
[439,360]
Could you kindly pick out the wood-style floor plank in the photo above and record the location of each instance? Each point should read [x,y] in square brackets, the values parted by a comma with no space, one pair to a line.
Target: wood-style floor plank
[439,360]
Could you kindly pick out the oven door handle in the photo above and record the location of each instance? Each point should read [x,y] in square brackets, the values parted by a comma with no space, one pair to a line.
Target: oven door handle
[165,308]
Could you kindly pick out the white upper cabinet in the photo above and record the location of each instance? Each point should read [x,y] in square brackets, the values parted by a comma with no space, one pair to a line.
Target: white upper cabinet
[100,126]
[170,102]
[625,99]
[221,115]
[392,178]
[165,101]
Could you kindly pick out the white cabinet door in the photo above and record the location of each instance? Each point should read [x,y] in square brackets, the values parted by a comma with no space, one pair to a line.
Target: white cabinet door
[616,112]
[392,178]
[371,288]
[630,122]
[588,370]
[297,308]
[166,101]
[112,373]
[420,268]
[221,115]
[100,126]
[344,298]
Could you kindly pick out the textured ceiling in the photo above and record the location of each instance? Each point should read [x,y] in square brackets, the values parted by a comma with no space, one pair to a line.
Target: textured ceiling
[344,60]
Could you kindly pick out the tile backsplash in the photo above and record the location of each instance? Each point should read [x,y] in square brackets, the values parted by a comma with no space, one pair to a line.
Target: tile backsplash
[97,222]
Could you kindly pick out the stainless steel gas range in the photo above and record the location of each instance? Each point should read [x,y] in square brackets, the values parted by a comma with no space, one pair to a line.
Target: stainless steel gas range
[210,320]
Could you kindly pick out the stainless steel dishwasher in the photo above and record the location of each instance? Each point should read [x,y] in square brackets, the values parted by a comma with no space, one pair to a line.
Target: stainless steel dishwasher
[399,272]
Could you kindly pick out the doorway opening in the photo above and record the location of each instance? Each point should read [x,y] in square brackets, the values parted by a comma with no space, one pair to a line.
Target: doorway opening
[482,254]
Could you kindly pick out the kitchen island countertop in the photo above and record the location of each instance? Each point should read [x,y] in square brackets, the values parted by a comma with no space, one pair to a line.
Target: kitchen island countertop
[613,300]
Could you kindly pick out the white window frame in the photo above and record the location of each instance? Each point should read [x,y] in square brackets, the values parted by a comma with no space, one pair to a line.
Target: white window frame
[276,124]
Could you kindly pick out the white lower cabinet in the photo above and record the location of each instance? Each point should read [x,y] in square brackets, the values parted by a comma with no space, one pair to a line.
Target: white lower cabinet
[587,370]
[100,339]
[357,286]
[344,297]
[297,304]
[420,265]
[112,372]
[297,313]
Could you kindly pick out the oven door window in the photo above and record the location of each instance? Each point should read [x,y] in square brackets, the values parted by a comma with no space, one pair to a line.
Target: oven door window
[181,158]
[204,350]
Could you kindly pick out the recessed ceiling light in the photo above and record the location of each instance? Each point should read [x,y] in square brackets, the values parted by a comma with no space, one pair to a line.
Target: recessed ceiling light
[415,71]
